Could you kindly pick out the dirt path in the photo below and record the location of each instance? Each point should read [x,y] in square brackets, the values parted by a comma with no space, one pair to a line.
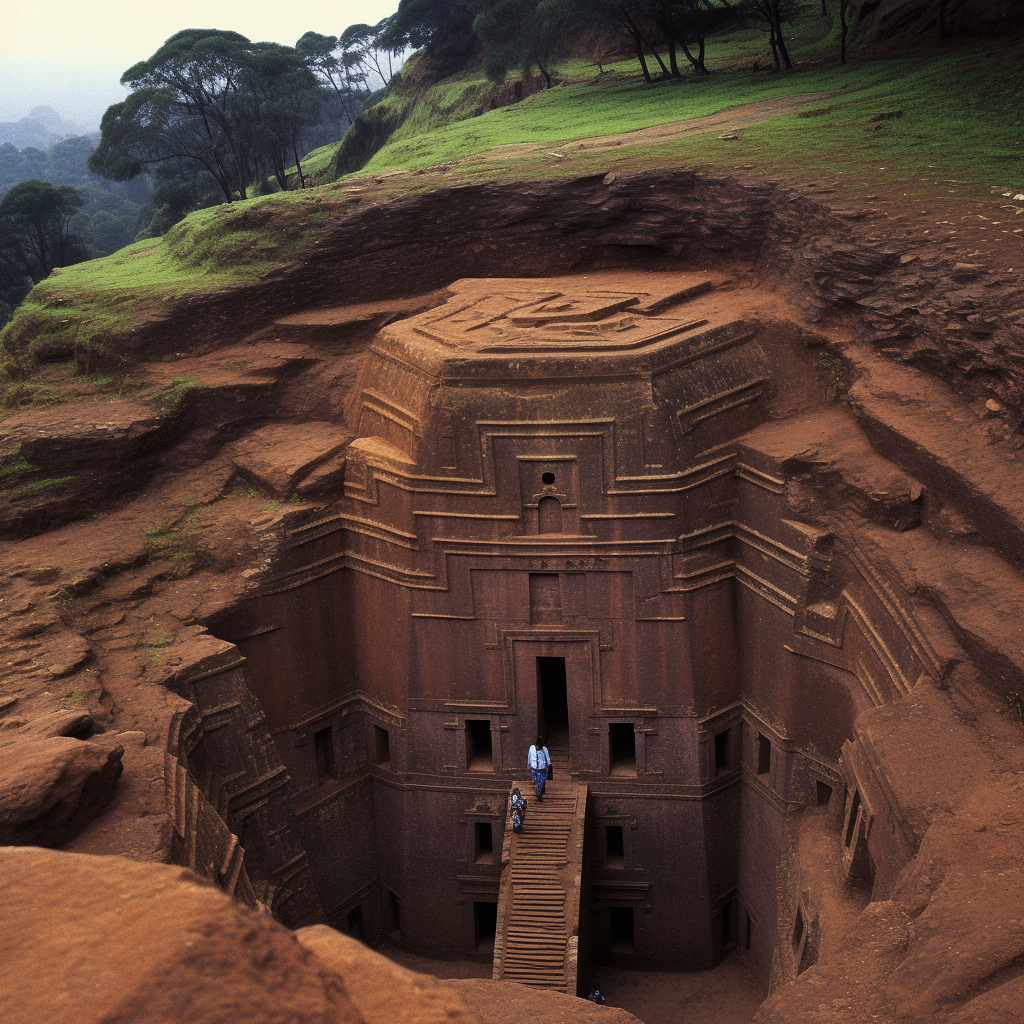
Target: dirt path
[725,121]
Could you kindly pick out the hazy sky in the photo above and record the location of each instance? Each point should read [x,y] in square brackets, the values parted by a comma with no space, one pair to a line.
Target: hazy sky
[70,54]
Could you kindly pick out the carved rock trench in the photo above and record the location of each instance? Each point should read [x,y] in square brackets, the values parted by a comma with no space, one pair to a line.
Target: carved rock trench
[899,896]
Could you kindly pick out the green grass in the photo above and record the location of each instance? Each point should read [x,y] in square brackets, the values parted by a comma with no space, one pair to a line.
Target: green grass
[83,307]
[962,112]
[173,393]
[175,536]
[16,468]
[44,485]
[317,160]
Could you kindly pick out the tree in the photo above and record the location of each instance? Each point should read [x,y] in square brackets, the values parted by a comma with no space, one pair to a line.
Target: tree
[366,48]
[342,74]
[213,99]
[35,227]
[685,24]
[773,13]
[419,23]
[279,96]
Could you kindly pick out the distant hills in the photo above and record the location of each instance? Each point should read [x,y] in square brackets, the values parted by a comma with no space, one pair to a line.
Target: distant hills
[41,129]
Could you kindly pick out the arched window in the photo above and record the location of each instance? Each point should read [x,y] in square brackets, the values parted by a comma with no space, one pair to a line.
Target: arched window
[549,512]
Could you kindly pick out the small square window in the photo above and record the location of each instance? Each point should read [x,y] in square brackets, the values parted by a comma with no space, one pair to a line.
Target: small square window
[725,750]
[622,748]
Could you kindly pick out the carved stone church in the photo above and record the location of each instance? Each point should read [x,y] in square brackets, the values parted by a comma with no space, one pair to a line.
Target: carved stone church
[565,512]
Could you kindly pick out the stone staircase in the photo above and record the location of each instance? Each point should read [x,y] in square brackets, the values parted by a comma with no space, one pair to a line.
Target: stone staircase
[538,907]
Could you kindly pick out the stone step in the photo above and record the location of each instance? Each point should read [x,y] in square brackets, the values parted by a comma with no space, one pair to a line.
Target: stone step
[926,428]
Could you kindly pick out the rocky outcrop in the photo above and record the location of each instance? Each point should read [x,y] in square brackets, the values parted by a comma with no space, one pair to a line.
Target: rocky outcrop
[51,788]
[919,476]
[90,939]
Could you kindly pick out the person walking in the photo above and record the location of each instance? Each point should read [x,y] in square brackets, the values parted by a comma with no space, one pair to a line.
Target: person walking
[538,759]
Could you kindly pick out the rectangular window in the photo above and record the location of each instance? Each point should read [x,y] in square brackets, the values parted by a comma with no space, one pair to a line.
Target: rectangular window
[479,756]
[381,747]
[725,754]
[323,749]
[483,842]
[622,748]
[728,930]
[616,846]
[749,930]
[485,921]
[621,921]
[764,754]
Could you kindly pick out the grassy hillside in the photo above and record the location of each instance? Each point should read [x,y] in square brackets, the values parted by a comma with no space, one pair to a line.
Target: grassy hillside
[76,309]
[960,112]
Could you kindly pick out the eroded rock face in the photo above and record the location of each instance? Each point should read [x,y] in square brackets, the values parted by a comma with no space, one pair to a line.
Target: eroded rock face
[89,939]
[948,944]
[52,787]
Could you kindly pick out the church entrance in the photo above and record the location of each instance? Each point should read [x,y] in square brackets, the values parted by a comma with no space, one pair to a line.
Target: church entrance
[553,704]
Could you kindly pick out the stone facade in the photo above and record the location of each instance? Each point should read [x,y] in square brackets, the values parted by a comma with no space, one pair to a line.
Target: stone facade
[565,510]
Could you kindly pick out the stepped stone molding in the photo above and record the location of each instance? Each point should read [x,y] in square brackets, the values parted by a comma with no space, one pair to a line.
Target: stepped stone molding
[573,475]
[227,790]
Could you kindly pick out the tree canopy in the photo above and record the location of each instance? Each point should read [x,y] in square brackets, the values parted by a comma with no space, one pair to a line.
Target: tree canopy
[214,99]
[429,22]
[35,236]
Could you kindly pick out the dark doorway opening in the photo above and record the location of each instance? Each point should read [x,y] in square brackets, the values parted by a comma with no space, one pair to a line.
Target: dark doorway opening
[354,920]
[323,747]
[622,748]
[616,846]
[552,703]
[621,921]
[483,842]
[823,794]
[485,921]
[479,753]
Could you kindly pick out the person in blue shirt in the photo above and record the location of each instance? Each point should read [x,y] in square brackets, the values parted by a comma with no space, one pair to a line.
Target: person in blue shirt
[538,760]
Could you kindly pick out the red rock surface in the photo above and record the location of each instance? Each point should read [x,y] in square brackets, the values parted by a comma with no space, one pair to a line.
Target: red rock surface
[108,590]
[51,788]
[90,939]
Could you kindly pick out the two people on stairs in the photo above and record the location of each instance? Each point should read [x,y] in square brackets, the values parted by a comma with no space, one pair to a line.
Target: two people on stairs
[539,762]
